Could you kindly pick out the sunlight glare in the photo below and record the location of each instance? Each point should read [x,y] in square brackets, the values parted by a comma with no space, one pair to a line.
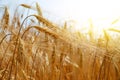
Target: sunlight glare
[101,12]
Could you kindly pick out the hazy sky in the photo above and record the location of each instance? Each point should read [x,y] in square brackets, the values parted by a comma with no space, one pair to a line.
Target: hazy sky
[68,8]
[79,10]
[53,8]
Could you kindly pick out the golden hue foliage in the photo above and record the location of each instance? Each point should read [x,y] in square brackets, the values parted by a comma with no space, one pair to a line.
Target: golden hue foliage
[46,51]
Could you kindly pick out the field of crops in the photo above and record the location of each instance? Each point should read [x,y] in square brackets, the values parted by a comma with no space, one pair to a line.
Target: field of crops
[34,48]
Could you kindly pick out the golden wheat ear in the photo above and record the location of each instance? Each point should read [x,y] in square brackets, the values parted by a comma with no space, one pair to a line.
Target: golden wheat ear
[27,6]
[38,9]
[5,19]
[114,30]
[115,21]
[106,36]
[65,26]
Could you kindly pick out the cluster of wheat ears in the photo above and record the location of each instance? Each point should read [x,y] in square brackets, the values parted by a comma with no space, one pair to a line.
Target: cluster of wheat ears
[33,48]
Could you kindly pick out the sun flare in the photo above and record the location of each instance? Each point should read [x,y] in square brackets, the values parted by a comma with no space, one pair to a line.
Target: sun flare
[99,13]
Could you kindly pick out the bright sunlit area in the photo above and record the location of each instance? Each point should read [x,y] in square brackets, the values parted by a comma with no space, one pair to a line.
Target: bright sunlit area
[102,14]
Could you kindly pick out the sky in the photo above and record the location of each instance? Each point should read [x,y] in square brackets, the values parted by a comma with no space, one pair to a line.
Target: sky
[68,8]
[79,10]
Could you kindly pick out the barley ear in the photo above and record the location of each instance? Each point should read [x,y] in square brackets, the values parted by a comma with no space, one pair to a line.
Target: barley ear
[26,6]
[106,36]
[38,9]
[114,30]
[5,19]
[115,21]
[65,26]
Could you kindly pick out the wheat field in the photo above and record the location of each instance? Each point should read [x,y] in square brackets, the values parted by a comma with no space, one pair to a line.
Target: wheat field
[34,48]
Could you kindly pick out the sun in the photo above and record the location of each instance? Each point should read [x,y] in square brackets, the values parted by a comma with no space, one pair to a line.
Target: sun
[100,13]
